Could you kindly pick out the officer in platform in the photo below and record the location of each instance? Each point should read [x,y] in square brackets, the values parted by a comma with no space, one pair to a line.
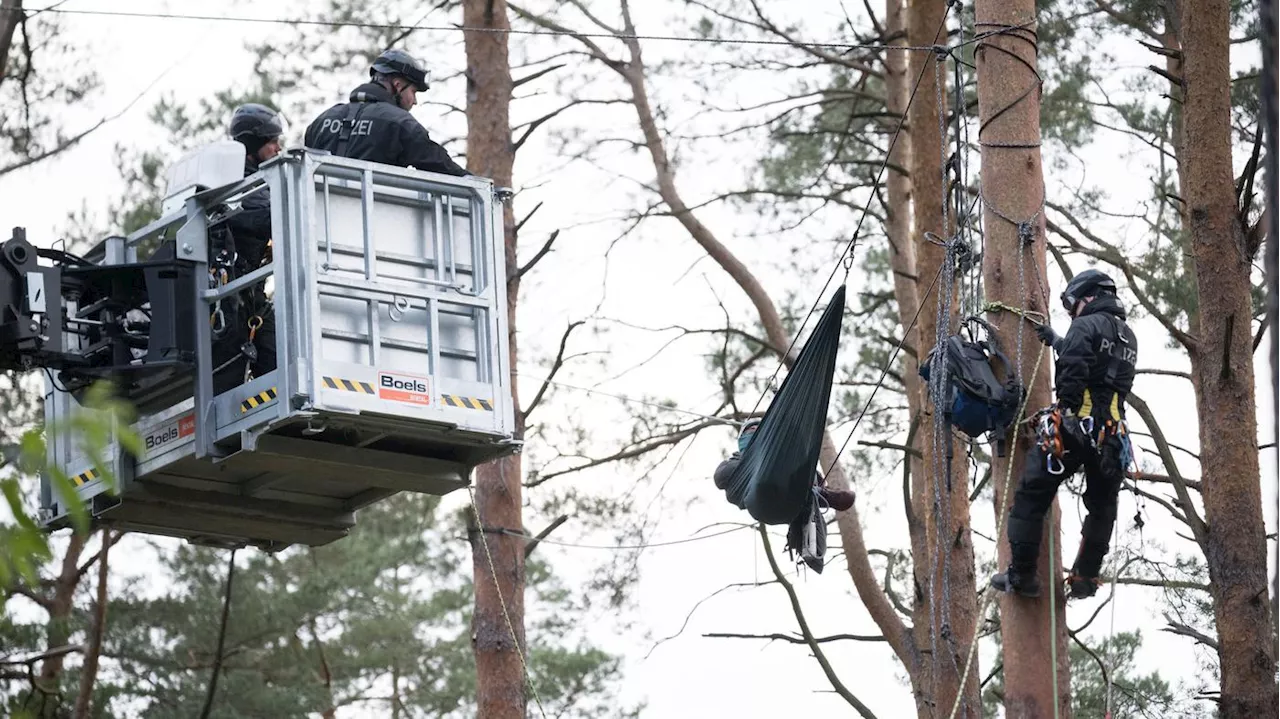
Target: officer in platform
[375,124]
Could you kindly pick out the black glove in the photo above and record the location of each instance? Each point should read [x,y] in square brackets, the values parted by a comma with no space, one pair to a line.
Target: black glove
[1047,335]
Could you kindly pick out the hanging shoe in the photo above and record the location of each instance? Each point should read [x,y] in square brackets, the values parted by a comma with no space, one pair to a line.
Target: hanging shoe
[1023,584]
[840,500]
[1082,587]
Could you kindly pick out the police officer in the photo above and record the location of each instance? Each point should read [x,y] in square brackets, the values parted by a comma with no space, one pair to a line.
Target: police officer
[258,128]
[376,125]
[249,343]
[1094,374]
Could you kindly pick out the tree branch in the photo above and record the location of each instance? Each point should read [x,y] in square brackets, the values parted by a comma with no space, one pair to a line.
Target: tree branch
[532,544]
[809,639]
[222,637]
[542,252]
[890,445]
[1186,631]
[107,544]
[89,670]
[776,636]
[1165,479]
[1198,528]
[555,367]
[631,452]
[1115,258]
[1166,373]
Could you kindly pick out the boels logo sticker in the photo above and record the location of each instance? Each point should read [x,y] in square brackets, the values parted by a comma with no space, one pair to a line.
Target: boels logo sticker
[404,388]
[169,433]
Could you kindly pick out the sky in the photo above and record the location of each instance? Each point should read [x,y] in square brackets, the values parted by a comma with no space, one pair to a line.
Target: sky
[654,278]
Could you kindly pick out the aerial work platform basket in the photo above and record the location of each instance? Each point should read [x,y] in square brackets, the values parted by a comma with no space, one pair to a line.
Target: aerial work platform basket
[392,375]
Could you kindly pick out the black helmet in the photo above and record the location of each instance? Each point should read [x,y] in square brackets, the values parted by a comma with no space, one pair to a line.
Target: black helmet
[399,62]
[255,125]
[1089,282]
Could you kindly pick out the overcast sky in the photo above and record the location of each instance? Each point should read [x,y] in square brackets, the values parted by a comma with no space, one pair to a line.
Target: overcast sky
[654,279]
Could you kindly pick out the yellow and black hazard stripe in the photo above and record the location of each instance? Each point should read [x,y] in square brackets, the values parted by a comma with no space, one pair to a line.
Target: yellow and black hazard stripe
[257,400]
[453,400]
[346,385]
[84,478]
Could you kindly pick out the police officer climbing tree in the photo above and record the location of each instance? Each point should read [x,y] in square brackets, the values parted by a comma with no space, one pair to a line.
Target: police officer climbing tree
[376,125]
[1084,430]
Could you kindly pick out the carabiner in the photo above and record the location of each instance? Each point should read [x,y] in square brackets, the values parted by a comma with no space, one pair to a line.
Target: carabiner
[1049,459]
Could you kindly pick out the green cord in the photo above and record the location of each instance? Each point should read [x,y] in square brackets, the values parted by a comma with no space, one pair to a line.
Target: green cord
[1053,614]
[1035,318]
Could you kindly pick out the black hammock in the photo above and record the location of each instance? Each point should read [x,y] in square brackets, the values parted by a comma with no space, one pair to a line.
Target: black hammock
[775,477]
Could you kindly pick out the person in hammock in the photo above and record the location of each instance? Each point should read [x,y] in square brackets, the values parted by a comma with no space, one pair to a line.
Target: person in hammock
[807,532]
[838,499]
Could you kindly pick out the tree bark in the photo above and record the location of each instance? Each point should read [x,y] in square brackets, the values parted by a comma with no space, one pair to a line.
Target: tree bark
[902,262]
[93,652]
[949,584]
[499,601]
[1013,182]
[1267,9]
[10,18]
[1222,365]
[59,608]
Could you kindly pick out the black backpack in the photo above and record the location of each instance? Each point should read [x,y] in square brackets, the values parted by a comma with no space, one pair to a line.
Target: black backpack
[976,401]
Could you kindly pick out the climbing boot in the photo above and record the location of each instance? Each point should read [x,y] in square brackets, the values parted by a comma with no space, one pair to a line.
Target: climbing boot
[1082,587]
[1012,581]
[840,500]
[1083,581]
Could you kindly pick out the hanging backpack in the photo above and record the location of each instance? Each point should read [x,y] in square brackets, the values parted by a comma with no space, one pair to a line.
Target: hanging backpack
[977,402]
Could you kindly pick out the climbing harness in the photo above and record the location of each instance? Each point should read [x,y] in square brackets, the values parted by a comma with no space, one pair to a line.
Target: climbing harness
[1048,424]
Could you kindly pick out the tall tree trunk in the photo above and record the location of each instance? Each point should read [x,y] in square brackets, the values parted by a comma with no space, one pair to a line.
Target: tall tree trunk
[59,605]
[499,603]
[1267,10]
[10,18]
[93,650]
[1013,181]
[947,580]
[902,262]
[1222,365]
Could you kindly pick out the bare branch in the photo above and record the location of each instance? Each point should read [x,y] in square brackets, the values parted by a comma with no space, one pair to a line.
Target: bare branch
[1186,631]
[1162,583]
[1198,527]
[595,50]
[809,639]
[683,626]
[1166,373]
[890,445]
[542,252]
[1165,479]
[631,452]
[108,543]
[1113,256]
[23,591]
[555,365]
[42,656]
[535,76]
[532,544]
[776,636]
[89,670]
